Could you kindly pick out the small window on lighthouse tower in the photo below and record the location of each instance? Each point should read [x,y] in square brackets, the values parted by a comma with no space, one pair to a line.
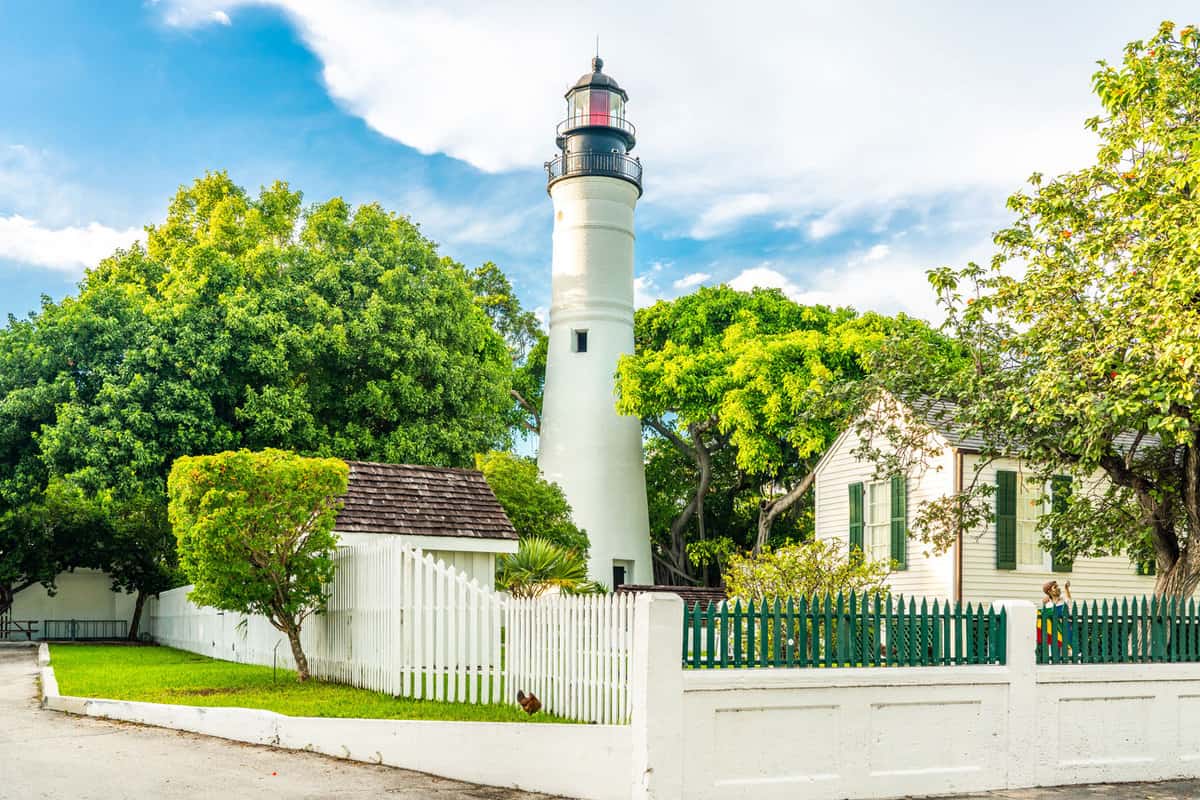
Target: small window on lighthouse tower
[579,345]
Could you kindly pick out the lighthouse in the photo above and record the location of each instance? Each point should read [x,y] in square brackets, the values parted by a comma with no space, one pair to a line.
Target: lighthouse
[585,447]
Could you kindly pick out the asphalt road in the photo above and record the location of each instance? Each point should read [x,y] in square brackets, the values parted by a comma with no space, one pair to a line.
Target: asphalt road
[47,754]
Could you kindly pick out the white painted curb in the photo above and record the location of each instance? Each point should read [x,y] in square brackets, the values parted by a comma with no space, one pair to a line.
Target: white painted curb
[535,757]
[43,655]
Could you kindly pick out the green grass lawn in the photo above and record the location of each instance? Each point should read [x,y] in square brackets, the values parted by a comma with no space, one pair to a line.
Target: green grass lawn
[166,675]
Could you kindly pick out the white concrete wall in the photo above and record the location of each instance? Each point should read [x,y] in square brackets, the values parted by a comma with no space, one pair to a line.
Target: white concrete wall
[839,733]
[585,447]
[928,575]
[1118,722]
[82,594]
[1091,578]
[533,757]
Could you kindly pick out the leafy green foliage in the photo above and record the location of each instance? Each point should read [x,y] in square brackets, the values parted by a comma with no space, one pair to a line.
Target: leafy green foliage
[540,565]
[536,507]
[250,321]
[527,344]
[1087,363]
[807,569]
[749,388]
[53,533]
[255,533]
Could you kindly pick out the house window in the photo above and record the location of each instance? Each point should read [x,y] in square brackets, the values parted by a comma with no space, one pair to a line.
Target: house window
[1030,508]
[579,341]
[877,542]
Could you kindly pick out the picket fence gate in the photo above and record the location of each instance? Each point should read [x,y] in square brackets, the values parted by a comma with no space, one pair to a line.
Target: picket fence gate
[402,622]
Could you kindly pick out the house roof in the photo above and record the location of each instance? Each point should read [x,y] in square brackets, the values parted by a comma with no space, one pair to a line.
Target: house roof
[940,415]
[692,595]
[421,501]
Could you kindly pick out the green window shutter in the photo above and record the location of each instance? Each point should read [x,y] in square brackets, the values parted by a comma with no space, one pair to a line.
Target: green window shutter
[1060,491]
[856,516]
[1006,519]
[900,521]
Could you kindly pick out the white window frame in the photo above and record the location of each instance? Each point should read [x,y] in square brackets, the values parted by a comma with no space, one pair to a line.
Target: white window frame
[877,533]
[1031,507]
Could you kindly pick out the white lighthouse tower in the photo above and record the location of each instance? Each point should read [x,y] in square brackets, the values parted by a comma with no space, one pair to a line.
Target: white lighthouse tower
[594,454]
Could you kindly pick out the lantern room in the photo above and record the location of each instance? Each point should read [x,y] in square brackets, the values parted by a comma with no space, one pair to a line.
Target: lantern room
[595,138]
[596,102]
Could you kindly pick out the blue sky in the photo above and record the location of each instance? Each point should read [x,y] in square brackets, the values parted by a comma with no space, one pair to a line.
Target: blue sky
[833,150]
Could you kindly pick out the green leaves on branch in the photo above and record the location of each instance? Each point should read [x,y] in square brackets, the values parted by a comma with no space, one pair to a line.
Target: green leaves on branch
[1084,332]
[536,507]
[807,569]
[255,533]
[540,566]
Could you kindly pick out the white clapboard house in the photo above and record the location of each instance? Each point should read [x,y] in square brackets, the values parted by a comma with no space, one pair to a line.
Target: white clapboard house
[1002,560]
[451,514]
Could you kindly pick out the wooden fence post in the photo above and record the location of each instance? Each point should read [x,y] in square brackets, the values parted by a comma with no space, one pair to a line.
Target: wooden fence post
[656,684]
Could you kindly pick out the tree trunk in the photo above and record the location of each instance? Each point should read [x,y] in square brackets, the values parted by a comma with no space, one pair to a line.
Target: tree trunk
[6,598]
[769,511]
[701,456]
[1178,580]
[136,622]
[293,634]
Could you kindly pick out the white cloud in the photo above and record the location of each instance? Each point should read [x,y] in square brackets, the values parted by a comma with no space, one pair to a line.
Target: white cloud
[480,223]
[694,279]
[68,249]
[764,277]
[877,252]
[645,292]
[880,280]
[791,109]
[725,214]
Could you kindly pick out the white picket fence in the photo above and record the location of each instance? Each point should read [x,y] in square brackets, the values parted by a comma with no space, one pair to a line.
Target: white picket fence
[574,654]
[399,621]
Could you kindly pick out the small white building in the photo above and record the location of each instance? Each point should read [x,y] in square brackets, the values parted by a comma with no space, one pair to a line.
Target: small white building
[1002,560]
[451,514]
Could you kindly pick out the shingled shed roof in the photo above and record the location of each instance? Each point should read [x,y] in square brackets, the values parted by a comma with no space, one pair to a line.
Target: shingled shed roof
[421,501]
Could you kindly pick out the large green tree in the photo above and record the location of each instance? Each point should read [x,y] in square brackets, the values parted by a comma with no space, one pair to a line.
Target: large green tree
[253,321]
[1085,330]
[753,374]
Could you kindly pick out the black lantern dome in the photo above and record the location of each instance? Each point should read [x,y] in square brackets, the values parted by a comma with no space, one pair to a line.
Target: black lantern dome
[595,138]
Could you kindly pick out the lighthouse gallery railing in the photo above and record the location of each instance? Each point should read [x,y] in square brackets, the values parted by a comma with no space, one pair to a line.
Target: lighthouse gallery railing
[612,165]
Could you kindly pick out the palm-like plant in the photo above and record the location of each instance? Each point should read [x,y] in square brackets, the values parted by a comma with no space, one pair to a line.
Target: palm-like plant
[539,565]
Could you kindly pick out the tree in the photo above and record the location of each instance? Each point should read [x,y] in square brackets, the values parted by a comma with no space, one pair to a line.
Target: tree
[255,534]
[1088,362]
[539,566]
[138,552]
[536,507]
[248,321]
[805,569]
[755,374]
[51,534]
[527,344]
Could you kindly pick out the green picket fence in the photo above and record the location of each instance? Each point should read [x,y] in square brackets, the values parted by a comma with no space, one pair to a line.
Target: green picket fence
[842,631]
[1119,631]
